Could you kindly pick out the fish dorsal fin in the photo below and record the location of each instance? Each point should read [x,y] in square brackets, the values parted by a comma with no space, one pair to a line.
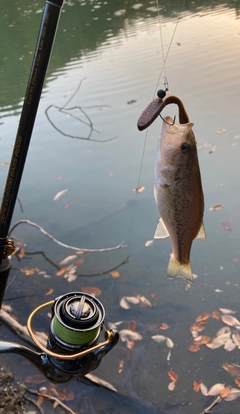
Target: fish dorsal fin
[161,230]
[201,234]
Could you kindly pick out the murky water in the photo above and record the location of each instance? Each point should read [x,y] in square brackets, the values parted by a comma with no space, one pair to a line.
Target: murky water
[110,54]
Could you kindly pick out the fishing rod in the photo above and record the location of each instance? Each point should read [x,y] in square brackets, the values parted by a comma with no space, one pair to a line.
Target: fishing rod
[73,347]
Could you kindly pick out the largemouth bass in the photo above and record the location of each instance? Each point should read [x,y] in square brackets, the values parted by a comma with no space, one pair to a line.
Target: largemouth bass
[178,188]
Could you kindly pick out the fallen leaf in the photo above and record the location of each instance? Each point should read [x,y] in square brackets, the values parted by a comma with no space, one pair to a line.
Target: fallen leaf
[169,343]
[144,302]
[202,318]
[114,274]
[237,381]
[79,263]
[187,287]
[131,101]
[149,243]
[163,326]
[235,259]
[67,260]
[120,366]
[203,389]
[80,252]
[215,315]
[233,369]
[169,355]
[21,253]
[224,392]
[196,327]
[196,385]
[59,195]
[218,291]
[159,338]
[59,177]
[229,345]
[135,336]
[216,389]
[173,376]
[110,174]
[230,320]
[232,394]
[202,340]
[224,330]
[221,131]
[124,304]
[66,206]
[139,189]
[218,341]
[171,385]
[132,299]
[61,271]
[194,348]
[132,325]
[236,339]
[49,292]
[29,272]
[227,225]
[91,290]
[217,207]
[5,162]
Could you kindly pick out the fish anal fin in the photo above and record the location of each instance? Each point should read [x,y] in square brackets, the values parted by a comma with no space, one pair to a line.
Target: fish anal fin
[175,269]
[161,230]
[201,234]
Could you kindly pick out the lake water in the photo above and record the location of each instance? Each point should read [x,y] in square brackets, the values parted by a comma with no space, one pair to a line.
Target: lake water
[113,48]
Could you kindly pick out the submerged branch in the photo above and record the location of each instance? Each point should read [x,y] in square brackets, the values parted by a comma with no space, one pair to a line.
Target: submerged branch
[52,399]
[107,249]
[215,402]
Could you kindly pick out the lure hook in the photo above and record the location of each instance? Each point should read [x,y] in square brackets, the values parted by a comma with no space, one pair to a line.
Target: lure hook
[164,120]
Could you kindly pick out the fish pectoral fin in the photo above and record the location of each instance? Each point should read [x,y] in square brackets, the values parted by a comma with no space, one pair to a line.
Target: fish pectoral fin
[175,269]
[201,234]
[161,230]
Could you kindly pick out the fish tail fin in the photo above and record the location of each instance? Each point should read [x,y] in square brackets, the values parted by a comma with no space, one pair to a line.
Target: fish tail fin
[175,268]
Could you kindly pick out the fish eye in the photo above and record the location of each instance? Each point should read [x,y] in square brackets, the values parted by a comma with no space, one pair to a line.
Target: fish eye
[185,147]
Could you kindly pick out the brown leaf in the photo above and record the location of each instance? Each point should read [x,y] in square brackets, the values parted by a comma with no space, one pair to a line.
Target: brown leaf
[237,381]
[202,340]
[194,348]
[187,287]
[163,326]
[80,252]
[196,385]
[67,260]
[21,253]
[224,392]
[236,339]
[196,327]
[5,162]
[233,393]
[230,320]
[215,315]
[49,292]
[203,318]
[92,290]
[114,273]
[229,345]
[110,174]
[29,272]
[233,369]
[61,271]
[217,207]
[120,367]
[79,263]
[173,376]
[132,325]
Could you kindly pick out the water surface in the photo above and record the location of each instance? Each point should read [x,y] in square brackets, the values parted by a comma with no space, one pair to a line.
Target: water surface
[114,50]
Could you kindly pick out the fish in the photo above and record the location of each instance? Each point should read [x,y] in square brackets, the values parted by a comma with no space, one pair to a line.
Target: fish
[177,185]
